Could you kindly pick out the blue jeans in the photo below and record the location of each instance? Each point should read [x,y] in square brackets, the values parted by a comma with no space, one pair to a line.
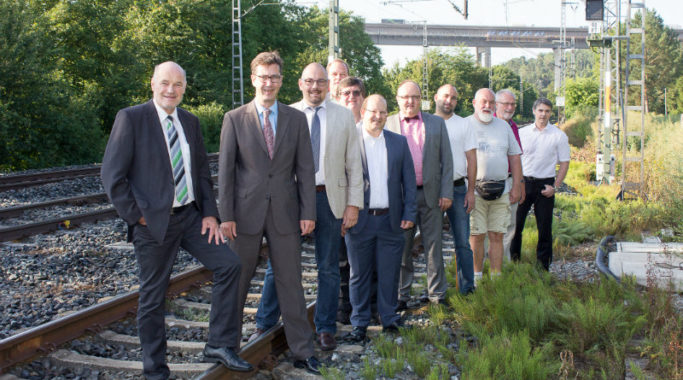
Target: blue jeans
[460,227]
[327,242]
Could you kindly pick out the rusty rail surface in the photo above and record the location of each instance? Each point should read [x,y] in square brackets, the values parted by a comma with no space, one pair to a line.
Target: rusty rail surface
[53,224]
[9,212]
[46,338]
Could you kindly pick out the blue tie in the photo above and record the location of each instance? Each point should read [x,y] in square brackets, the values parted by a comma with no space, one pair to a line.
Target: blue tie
[315,139]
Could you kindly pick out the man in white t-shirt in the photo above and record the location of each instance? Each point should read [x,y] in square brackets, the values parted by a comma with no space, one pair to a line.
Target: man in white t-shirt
[496,145]
[463,148]
[545,146]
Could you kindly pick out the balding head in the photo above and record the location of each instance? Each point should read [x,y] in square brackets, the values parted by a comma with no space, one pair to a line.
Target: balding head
[446,98]
[168,85]
[484,103]
[313,84]
[374,113]
[408,98]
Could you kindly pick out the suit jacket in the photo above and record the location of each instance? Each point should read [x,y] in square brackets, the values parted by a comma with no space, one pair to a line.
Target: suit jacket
[400,182]
[250,182]
[136,170]
[437,161]
[342,164]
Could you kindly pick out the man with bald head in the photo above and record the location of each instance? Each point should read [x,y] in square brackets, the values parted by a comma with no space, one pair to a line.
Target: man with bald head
[375,244]
[156,174]
[339,196]
[463,147]
[497,150]
[431,152]
[337,70]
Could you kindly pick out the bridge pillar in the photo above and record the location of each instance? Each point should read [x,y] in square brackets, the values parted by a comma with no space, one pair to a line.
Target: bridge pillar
[557,53]
[484,56]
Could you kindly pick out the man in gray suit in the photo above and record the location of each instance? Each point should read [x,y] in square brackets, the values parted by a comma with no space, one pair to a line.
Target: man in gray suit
[156,174]
[431,152]
[339,195]
[266,181]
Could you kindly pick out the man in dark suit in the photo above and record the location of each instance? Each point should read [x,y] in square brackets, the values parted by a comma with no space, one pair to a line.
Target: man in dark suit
[431,151]
[267,188]
[156,173]
[389,208]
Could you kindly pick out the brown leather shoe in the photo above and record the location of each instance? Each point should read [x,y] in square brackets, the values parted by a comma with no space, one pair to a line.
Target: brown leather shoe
[327,341]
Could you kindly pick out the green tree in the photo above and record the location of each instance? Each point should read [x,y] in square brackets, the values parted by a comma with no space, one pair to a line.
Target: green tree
[504,78]
[582,96]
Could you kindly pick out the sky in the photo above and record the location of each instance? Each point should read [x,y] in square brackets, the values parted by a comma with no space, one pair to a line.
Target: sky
[484,12]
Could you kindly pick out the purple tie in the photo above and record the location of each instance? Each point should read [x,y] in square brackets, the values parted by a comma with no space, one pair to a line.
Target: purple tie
[268,133]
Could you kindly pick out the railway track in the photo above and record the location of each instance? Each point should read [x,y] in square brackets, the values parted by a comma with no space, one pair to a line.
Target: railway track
[54,342]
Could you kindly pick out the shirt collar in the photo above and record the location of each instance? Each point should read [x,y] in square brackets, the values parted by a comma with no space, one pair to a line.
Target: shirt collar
[163,114]
[260,108]
[366,135]
[403,118]
[322,105]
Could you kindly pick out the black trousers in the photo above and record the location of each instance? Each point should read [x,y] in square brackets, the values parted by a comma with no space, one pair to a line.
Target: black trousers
[155,263]
[543,210]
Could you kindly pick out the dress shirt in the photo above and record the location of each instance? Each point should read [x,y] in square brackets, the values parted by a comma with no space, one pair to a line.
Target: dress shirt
[543,149]
[376,157]
[462,139]
[272,117]
[184,149]
[322,115]
[414,131]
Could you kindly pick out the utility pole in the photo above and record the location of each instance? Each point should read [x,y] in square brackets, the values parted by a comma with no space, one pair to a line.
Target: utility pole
[333,47]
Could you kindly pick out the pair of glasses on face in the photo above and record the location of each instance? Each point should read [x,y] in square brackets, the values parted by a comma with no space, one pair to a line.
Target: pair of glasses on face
[507,104]
[350,92]
[320,82]
[275,78]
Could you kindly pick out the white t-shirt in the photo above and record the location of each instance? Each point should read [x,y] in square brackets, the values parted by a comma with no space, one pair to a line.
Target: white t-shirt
[462,139]
[495,142]
[543,150]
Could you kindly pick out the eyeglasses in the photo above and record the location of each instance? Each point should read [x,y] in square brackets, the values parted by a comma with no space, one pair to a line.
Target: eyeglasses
[349,92]
[406,97]
[507,104]
[275,78]
[321,82]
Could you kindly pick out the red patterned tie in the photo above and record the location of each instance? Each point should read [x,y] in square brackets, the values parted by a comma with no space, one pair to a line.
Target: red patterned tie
[268,132]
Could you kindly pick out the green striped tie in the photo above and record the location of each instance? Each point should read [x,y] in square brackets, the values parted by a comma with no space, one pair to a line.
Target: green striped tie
[177,163]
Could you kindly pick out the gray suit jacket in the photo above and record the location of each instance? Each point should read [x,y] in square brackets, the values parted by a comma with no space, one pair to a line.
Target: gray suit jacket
[437,161]
[250,182]
[136,170]
[342,163]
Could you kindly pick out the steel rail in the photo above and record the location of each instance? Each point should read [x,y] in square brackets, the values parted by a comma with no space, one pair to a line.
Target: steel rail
[46,338]
[10,212]
[53,224]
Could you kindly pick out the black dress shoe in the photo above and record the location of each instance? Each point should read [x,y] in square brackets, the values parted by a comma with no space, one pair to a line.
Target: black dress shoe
[227,357]
[357,335]
[401,305]
[393,327]
[311,365]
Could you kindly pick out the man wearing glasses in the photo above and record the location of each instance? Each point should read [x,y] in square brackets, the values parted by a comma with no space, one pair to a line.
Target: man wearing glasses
[352,95]
[266,181]
[339,195]
[431,152]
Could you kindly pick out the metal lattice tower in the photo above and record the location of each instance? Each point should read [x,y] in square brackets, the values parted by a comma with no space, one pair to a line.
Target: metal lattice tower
[237,83]
[334,49]
[632,183]
[425,70]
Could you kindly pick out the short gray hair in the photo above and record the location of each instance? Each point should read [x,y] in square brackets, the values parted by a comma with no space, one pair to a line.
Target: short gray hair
[500,93]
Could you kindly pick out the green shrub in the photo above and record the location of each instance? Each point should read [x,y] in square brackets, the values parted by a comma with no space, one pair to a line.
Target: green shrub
[211,120]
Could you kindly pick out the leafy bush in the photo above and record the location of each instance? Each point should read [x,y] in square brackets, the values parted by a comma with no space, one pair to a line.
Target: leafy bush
[211,120]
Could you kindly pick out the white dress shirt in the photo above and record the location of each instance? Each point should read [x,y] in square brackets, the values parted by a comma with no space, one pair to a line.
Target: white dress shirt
[376,157]
[322,115]
[543,150]
[462,139]
[184,149]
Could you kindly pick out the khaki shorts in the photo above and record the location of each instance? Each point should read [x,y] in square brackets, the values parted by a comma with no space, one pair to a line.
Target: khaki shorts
[490,215]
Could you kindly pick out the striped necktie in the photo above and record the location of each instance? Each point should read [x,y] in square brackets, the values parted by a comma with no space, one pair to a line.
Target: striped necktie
[177,163]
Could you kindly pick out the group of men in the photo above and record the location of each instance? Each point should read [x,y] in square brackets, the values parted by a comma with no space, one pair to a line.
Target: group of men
[333,165]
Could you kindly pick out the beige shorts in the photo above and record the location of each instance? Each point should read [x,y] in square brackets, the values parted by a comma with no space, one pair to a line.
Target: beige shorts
[490,215]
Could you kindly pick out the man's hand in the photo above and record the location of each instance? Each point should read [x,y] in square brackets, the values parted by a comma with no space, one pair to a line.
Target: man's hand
[209,223]
[548,191]
[522,193]
[142,221]
[229,230]
[445,203]
[307,226]
[469,201]
[407,224]
[514,194]
[349,219]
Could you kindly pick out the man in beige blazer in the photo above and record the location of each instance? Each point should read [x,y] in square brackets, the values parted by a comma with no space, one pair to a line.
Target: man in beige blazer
[267,188]
[431,151]
[339,195]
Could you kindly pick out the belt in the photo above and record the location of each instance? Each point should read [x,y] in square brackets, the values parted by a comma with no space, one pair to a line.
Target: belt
[319,188]
[378,211]
[459,182]
[534,179]
[420,187]
[178,210]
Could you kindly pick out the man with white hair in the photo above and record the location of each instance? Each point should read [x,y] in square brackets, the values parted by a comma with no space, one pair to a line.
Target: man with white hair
[497,151]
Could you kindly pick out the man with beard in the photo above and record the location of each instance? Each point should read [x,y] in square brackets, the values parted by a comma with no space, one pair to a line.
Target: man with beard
[463,147]
[497,151]
[339,196]
[505,109]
